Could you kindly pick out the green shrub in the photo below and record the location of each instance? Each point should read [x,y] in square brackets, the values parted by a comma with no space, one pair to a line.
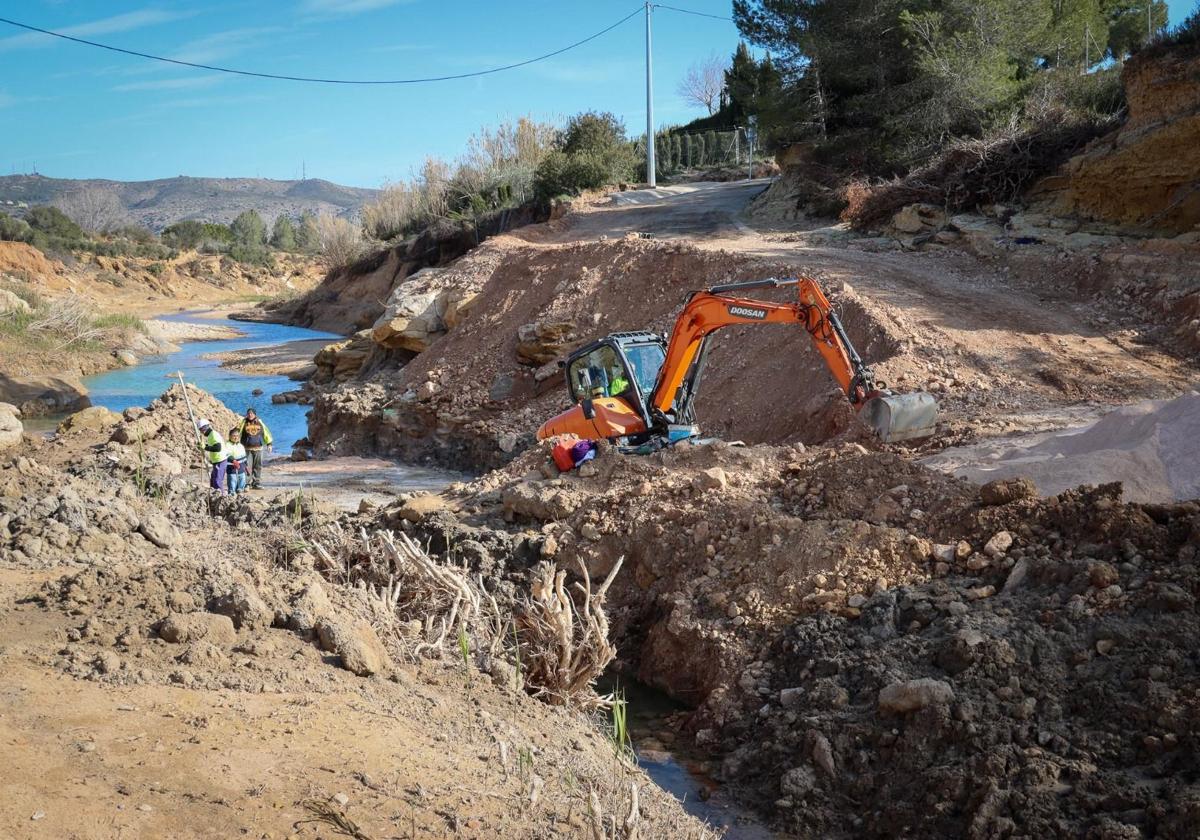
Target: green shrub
[53,222]
[252,254]
[14,230]
[249,229]
[191,233]
[156,268]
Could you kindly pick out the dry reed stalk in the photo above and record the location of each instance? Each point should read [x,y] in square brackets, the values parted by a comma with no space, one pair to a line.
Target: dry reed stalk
[565,646]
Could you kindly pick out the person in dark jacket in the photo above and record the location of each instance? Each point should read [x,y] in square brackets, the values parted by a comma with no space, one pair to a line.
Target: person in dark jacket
[254,435]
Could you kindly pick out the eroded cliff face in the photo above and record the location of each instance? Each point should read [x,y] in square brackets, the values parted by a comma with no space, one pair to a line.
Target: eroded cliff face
[1146,174]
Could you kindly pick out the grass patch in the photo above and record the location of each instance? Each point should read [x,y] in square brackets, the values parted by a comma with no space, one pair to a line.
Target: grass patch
[121,321]
[63,324]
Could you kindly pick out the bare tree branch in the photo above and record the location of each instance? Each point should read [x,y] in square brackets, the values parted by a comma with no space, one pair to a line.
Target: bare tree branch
[703,83]
[94,209]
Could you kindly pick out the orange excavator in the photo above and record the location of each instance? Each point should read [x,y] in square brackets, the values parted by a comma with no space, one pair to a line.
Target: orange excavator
[637,389]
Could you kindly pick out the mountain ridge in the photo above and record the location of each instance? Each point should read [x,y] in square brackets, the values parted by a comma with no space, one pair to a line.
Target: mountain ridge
[161,202]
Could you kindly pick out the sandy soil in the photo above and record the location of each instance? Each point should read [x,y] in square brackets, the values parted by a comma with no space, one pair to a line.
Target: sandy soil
[177,331]
[347,481]
[293,359]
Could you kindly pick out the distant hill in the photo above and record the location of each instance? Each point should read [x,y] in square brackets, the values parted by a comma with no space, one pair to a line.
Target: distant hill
[157,204]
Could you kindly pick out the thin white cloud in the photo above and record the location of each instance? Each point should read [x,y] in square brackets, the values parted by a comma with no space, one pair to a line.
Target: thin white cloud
[105,26]
[331,8]
[182,83]
[222,45]
[7,99]
[395,48]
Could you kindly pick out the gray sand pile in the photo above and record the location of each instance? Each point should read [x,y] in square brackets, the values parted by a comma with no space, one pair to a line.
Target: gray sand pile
[1152,448]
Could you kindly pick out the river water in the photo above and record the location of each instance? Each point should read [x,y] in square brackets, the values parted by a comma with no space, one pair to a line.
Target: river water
[138,385]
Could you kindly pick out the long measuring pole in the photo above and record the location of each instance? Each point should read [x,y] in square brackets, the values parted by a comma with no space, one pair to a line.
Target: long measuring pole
[188,401]
[651,177]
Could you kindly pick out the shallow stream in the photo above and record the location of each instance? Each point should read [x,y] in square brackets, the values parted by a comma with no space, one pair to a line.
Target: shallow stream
[138,385]
[651,721]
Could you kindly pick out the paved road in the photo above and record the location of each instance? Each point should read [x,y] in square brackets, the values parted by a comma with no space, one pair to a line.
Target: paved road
[705,209]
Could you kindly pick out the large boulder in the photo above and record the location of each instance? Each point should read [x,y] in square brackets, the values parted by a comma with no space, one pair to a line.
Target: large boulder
[342,360]
[919,218]
[356,644]
[141,429]
[11,429]
[544,341]
[158,530]
[93,419]
[414,315]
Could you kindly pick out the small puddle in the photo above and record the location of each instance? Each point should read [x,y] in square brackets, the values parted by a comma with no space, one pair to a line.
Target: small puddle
[651,718]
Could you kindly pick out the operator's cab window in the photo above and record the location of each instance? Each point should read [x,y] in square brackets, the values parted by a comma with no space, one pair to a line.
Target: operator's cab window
[644,363]
[593,375]
[601,373]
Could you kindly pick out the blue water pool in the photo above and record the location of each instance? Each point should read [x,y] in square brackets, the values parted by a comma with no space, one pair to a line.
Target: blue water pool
[138,385]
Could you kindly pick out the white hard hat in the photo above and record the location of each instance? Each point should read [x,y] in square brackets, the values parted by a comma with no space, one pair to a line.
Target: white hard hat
[203,423]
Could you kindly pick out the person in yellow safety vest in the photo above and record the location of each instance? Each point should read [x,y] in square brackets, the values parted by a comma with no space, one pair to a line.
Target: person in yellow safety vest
[217,452]
[254,435]
[235,473]
[619,384]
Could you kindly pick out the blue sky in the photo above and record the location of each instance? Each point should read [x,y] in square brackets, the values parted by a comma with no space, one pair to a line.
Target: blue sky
[74,111]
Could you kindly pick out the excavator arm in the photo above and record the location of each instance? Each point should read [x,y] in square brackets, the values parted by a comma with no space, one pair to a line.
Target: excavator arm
[893,417]
[670,404]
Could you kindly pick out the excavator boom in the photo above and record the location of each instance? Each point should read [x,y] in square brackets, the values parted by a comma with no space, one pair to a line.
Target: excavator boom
[670,402]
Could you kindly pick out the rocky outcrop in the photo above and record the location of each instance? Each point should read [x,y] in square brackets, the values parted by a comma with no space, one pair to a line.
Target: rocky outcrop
[1144,175]
[357,296]
[341,361]
[36,396]
[415,313]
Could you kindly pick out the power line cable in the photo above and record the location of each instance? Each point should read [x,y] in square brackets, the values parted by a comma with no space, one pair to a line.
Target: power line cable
[281,77]
[690,12]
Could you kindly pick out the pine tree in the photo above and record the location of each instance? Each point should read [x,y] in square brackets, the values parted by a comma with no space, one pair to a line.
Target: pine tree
[308,236]
[283,234]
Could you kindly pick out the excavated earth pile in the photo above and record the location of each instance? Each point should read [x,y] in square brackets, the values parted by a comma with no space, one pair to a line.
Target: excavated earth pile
[871,647]
[473,398]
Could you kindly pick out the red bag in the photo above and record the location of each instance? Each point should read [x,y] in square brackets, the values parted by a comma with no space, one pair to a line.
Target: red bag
[561,452]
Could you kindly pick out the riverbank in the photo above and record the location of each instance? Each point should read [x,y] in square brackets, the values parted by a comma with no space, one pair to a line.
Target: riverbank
[293,359]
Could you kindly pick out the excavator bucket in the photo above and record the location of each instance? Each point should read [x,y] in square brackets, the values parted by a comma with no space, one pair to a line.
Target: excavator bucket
[896,417]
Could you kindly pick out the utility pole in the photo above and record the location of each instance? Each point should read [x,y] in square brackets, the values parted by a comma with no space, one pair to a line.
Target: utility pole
[650,175]
[1149,23]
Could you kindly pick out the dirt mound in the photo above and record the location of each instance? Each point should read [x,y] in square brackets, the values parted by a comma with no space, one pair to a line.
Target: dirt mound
[481,390]
[1150,448]
[1056,696]
[873,647]
[156,442]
